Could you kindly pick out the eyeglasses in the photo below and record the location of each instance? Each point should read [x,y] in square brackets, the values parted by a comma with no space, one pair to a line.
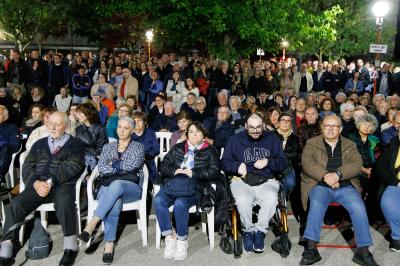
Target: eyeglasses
[287,121]
[194,132]
[258,128]
[331,126]
[123,111]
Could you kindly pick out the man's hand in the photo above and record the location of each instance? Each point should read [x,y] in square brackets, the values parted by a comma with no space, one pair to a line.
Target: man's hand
[331,178]
[188,172]
[42,188]
[260,164]
[366,171]
[242,171]
[335,186]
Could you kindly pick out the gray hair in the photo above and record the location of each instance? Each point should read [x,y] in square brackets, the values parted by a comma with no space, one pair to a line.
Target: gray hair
[129,120]
[223,92]
[368,118]
[202,99]
[224,107]
[340,94]
[169,103]
[337,118]
[346,106]
[120,101]
[234,97]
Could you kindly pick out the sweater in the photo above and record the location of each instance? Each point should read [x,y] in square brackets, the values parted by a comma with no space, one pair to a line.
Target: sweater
[64,167]
[242,149]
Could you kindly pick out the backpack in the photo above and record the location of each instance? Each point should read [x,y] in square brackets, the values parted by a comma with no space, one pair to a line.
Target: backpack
[40,243]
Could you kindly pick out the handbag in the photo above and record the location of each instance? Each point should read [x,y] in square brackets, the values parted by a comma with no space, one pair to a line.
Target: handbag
[106,180]
[253,179]
[180,186]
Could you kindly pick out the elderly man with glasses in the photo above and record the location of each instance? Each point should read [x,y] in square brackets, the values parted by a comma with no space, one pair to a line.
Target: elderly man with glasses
[331,165]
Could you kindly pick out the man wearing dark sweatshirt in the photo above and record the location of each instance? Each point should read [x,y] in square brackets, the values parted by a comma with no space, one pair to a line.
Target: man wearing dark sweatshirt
[253,157]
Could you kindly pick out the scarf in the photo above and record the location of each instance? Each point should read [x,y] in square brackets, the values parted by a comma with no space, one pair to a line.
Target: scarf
[32,122]
[188,160]
[285,136]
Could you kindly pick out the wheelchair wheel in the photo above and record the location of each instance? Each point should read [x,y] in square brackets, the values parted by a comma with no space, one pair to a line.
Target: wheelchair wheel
[226,244]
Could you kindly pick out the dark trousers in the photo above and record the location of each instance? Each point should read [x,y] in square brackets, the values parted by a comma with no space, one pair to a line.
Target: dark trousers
[63,198]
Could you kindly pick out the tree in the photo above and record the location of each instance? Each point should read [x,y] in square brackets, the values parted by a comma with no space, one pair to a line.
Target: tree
[21,20]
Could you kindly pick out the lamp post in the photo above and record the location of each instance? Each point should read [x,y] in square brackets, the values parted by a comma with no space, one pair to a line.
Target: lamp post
[285,44]
[379,9]
[149,39]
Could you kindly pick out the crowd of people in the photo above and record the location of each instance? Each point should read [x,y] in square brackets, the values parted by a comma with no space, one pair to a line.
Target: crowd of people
[326,131]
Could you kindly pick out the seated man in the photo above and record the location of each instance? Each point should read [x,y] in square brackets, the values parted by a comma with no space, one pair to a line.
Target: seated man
[331,165]
[50,172]
[9,143]
[222,130]
[253,156]
[167,121]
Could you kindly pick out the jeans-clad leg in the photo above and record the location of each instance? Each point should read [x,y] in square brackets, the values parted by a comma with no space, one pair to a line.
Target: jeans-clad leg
[181,212]
[320,197]
[111,199]
[390,203]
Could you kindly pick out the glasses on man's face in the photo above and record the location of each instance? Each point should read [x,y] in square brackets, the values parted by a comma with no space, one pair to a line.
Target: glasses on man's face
[200,103]
[286,121]
[257,128]
[330,126]
[194,132]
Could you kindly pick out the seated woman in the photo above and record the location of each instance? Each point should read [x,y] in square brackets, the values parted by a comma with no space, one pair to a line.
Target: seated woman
[112,123]
[202,114]
[147,137]
[289,145]
[63,100]
[91,133]
[273,114]
[327,107]
[194,159]
[184,120]
[121,178]
[33,121]
[369,148]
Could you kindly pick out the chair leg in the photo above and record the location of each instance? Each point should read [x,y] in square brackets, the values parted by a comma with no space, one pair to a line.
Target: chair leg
[21,235]
[143,224]
[158,235]
[203,222]
[43,218]
[211,234]
[3,214]
[139,217]
[89,218]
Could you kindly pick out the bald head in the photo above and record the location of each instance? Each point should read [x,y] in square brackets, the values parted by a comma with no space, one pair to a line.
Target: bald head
[3,113]
[58,124]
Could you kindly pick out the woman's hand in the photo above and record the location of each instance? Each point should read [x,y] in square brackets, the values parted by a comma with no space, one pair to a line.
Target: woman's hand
[188,172]
[179,171]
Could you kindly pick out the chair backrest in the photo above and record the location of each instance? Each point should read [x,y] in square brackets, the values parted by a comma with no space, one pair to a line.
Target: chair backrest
[112,140]
[11,170]
[145,183]
[94,175]
[22,158]
[164,139]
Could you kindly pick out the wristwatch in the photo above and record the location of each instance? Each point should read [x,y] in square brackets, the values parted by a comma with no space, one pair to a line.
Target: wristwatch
[339,173]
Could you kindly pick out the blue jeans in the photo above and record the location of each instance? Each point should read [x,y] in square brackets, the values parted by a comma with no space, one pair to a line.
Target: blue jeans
[288,182]
[162,202]
[390,207]
[111,199]
[79,100]
[320,198]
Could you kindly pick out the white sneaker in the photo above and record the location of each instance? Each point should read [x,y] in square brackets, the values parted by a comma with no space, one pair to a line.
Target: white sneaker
[170,246]
[181,250]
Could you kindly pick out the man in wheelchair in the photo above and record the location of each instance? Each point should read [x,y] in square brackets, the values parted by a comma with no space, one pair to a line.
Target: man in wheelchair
[252,157]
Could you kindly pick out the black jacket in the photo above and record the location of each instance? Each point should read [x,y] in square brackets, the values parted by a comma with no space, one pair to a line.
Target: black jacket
[92,138]
[206,163]
[385,165]
[291,149]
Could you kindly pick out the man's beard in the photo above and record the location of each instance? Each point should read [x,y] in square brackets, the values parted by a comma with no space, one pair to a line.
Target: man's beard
[252,138]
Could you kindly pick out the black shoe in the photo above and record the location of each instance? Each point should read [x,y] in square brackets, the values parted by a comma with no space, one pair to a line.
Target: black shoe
[108,258]
[68,259]
[310,256]
[395,245]
[6,261]
[364,259]
[84,236]
[302,241]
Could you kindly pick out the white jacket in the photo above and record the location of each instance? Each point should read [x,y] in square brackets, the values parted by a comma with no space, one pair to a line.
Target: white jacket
[297,82]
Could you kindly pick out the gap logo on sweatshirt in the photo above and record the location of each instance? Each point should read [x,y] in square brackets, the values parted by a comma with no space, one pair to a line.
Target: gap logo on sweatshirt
[255,153]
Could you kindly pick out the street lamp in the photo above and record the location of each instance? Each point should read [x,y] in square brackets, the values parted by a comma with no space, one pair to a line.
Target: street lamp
[379,9]
[149,39]
[285,44]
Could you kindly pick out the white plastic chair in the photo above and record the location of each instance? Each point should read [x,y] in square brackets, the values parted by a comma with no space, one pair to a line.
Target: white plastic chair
[11,175]
[139,205]
[210,222]
[48,207]
[165,143]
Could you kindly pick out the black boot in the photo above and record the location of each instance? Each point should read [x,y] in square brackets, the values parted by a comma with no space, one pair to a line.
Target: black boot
[364,259]
[310,256]
[68,259]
